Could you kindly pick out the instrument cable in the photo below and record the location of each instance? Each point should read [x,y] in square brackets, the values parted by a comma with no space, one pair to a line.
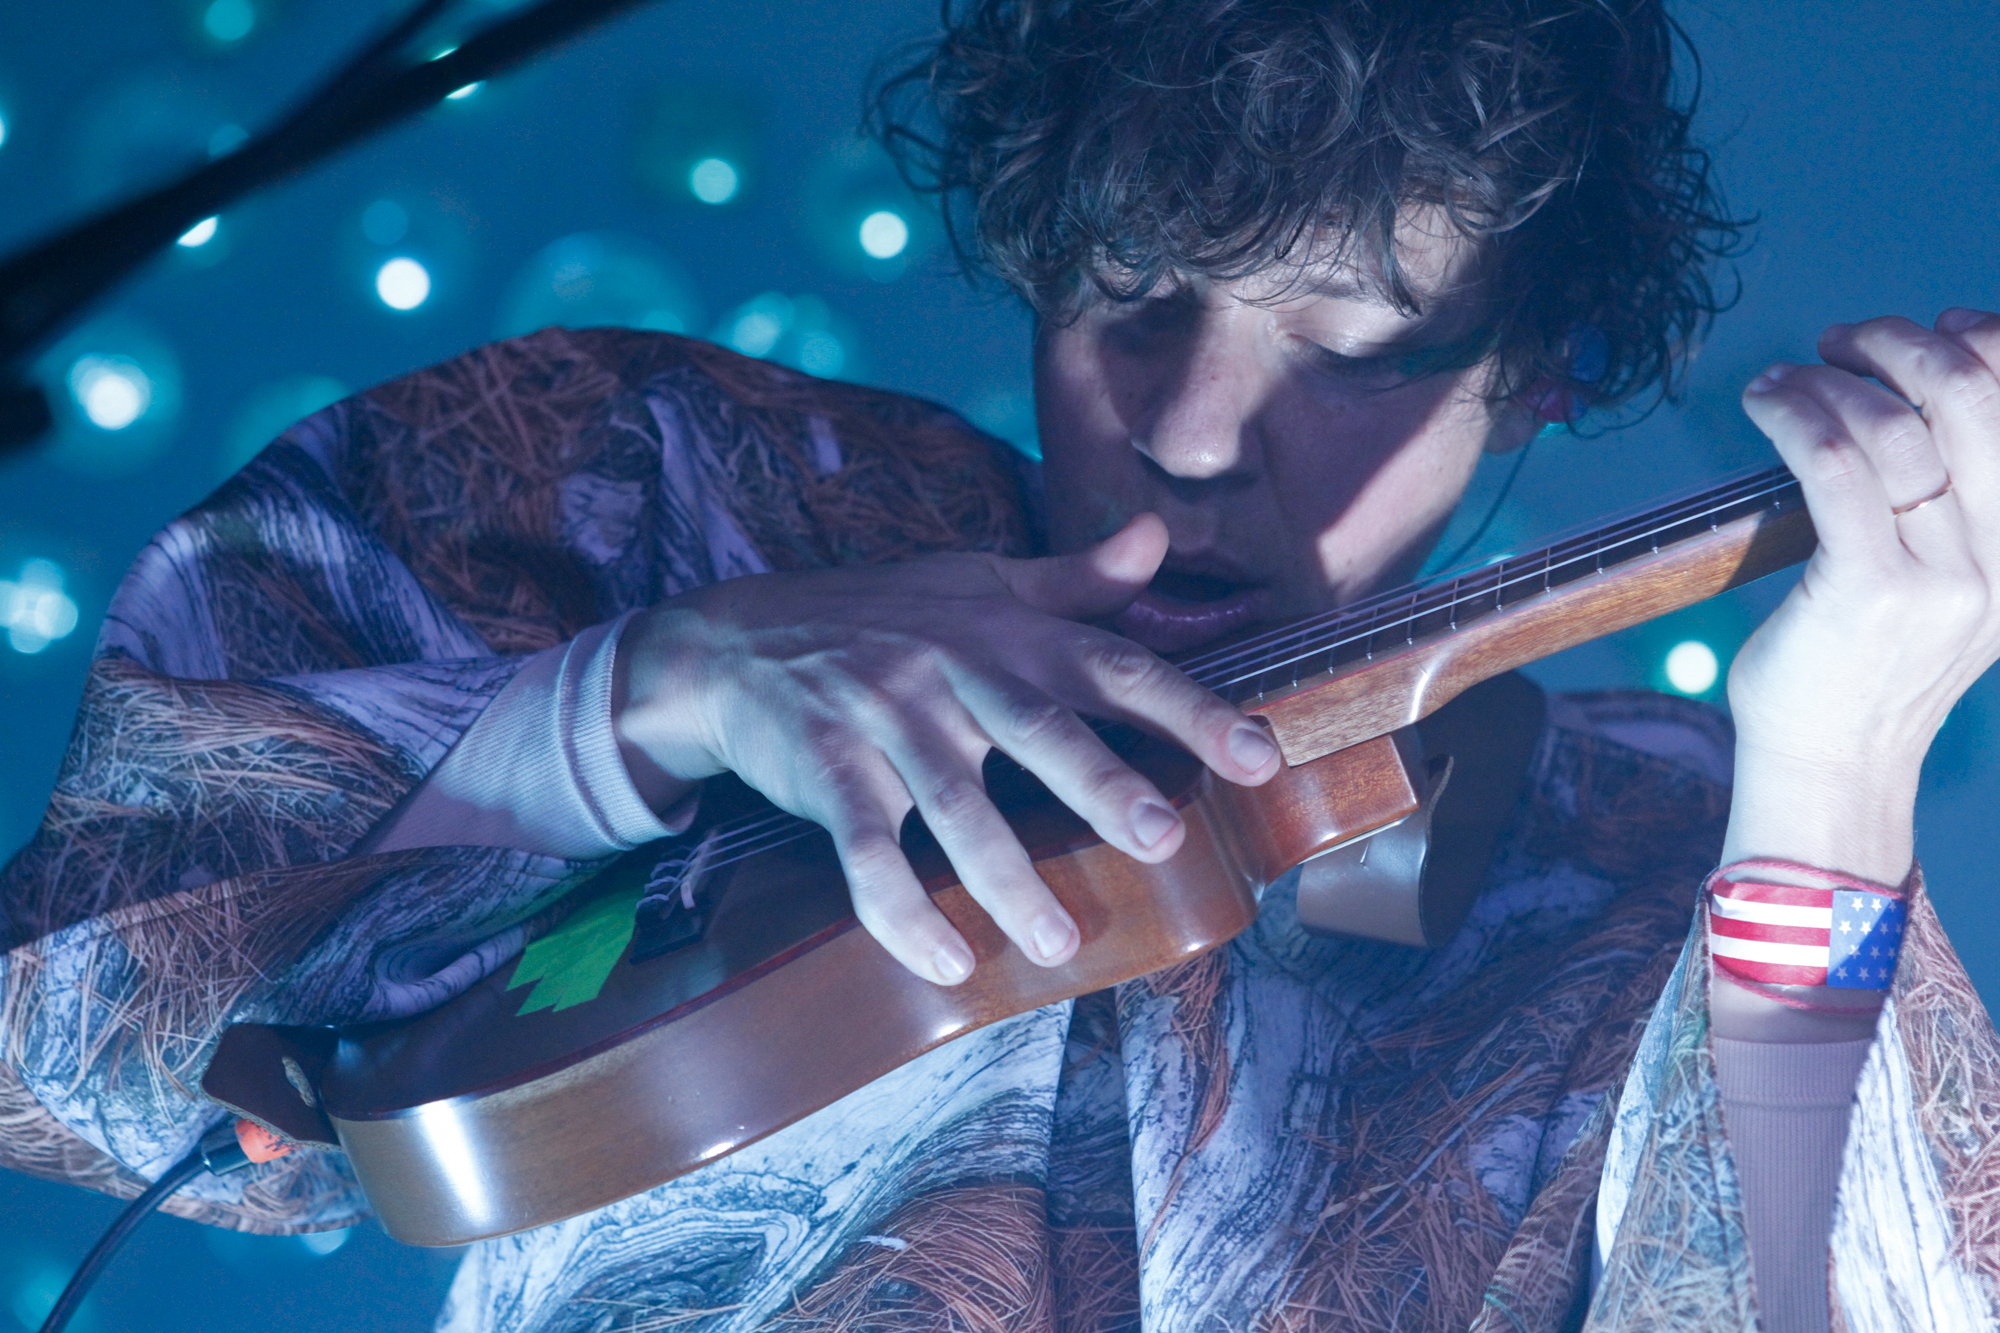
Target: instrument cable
[225,1148]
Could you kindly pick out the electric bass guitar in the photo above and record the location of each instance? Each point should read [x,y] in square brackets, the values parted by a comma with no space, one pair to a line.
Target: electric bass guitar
[710,989]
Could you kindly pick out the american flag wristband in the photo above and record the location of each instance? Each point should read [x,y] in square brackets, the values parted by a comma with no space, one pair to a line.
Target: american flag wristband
[1844,933]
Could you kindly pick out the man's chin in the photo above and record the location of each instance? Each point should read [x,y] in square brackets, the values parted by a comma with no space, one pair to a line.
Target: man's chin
[1169,625]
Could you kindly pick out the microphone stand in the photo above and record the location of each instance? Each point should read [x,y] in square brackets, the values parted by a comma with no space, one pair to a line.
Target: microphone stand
[46,285]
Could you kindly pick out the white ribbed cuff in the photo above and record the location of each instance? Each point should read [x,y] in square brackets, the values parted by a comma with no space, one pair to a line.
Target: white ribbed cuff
[540,769]
[603,783]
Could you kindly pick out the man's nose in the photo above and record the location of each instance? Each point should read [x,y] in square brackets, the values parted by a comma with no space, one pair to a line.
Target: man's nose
[1201,425]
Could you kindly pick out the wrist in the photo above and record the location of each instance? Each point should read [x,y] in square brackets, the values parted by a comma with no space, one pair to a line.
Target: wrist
[1798,954]
[654,714]
[1852,812]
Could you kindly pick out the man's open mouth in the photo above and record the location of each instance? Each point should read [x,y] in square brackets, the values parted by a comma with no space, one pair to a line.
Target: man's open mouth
[1182,609]
[1181,586]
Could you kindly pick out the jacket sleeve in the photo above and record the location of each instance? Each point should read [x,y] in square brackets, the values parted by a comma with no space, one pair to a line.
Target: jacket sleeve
[270,682]
[1917,1206]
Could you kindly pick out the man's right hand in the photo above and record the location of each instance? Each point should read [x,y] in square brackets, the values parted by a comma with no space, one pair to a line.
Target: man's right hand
[848,696]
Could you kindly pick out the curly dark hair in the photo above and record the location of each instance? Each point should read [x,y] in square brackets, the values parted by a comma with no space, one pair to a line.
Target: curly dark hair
[1121,144]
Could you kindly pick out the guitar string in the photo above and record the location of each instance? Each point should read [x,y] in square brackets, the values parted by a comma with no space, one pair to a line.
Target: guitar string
[1738,491]
[1538,563]
[754,835]
[1540,567]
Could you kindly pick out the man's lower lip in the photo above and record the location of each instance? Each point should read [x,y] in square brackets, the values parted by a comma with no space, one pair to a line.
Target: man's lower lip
[1166,625]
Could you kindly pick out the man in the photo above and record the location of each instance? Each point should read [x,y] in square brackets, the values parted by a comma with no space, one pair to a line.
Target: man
[359,720]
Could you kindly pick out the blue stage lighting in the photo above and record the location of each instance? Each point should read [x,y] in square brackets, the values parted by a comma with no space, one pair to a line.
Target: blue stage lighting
[34,609]
[403,283]
[227,139]
[713,181]
[592,280]
[884,234]
[229,20]
[699,144]
[385,222]
[270,411]
[796,331]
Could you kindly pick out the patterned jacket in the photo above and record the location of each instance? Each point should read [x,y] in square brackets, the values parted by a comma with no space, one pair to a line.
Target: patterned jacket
[1291,1133]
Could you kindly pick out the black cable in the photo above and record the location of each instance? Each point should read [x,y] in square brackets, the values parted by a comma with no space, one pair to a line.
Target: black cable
[43,287]
[1492,511]
[100,1254]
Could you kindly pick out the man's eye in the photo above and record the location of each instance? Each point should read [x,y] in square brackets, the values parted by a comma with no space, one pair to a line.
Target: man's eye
[1391,369]
[1373,372]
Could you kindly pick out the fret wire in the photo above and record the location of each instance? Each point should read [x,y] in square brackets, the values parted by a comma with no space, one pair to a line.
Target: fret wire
[1741,491]
[1335,646]
[1657,521]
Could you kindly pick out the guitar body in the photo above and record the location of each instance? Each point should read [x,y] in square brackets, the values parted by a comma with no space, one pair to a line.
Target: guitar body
[489,1115]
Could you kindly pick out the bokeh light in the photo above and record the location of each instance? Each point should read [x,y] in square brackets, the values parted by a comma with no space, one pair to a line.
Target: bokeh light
[229,20]
[884,234]
[115,386]
[385,222]
[200,234]
[36,1293]
[460,94]
[699,143]
[595,279]
[3,129]
[861,216]
[112,391]
[713,181]
[403,283]
[34,609]
[1691,667]
[797,331]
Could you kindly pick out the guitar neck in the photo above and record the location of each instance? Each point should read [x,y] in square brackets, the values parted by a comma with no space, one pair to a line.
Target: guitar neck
[1339,679]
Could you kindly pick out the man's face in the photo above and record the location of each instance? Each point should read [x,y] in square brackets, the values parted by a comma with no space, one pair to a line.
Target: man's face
[1305,448]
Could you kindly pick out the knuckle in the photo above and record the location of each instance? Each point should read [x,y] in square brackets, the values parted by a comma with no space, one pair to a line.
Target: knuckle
[1112,780]
[872,859]
[1903,436]
[955,803]
[1969,387]
[1039,721]
[1121,667]
[1964,600]
[1835,461]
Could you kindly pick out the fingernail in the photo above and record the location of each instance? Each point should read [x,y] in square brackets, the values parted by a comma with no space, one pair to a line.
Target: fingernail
[1251,748]
[1768,381]
[1052,935]
[1958,319]
[1151,822]
[953,963]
